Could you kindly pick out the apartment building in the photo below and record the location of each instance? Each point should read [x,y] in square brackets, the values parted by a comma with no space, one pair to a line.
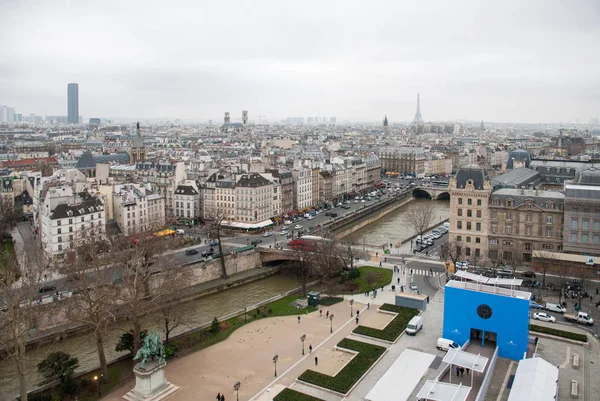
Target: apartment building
[302,188]
[257,199]
[187,199]
[164,176]
[225,198]
[470,192]
[137,209]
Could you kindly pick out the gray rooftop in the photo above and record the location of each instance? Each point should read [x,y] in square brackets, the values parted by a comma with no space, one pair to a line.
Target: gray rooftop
[516,177]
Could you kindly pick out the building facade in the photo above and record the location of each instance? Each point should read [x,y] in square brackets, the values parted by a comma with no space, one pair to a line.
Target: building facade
[187,201]
[136,209]
[257,199]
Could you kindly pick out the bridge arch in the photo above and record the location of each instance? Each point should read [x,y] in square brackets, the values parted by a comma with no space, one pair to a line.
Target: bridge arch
[421,193]
[443,196]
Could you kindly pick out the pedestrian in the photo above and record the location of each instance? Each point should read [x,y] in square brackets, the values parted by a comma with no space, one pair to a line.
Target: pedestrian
[457,371]
[398,280]
[368,292]
[382,288]
[320,312]
[298,319]
[462,371]
[368,305]
[310,348]
[327,314]
[357,312]
[356,319]
[401,288]
[467,371]
[385,259]
[316,361]
[380,263]
[222,397]
[218,396]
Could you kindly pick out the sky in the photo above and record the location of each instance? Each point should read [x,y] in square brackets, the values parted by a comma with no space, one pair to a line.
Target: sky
[493,60]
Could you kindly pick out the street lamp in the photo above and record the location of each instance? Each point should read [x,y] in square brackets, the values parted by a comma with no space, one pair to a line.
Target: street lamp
[275,358]
[351,303]
[98,379]
[236,387]
[331,321]
[302,339]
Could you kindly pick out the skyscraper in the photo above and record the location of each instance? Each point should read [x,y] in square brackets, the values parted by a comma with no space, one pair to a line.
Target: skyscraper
[73,103]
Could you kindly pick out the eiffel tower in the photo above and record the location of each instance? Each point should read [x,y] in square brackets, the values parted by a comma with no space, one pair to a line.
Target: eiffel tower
[418,118]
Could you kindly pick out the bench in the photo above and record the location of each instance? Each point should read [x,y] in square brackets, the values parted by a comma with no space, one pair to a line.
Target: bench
[575,361]
[574,389]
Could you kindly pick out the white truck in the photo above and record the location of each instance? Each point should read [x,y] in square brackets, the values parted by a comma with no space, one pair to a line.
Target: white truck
[580,317]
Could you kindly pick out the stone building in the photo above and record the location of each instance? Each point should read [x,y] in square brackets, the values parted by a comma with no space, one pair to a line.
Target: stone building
[187,201]
[256,199]
[470,192]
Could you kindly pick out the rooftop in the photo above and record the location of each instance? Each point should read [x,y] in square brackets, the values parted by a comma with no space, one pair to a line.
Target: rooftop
[480,287]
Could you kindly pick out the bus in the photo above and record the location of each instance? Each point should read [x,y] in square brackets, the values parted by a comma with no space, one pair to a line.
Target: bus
[307,242]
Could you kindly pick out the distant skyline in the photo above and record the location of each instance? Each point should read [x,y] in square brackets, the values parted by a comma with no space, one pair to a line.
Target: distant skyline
[510,61]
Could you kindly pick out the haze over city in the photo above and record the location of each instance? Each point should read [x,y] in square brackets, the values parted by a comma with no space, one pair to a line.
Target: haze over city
[508,61]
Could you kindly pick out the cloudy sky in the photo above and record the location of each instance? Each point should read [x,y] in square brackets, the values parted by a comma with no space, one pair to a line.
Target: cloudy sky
[496,60]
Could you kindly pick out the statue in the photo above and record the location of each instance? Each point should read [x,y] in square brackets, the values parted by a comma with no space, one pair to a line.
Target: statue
[152,347]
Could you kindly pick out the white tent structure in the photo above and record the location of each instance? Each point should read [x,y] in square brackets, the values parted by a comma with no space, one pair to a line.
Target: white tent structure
[467,360]
[440,391]
[535,380]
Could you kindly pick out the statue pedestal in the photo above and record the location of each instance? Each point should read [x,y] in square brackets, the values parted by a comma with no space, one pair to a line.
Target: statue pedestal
[150,383]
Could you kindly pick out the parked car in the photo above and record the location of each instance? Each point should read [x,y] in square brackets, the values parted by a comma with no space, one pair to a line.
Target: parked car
[443,344]
[284,232]
[46,288]
[208,253]
[256,242]
[555,308]
[544,317]
[413,286]
[328,214]
[462,265]
[528,274]
[191,251]
[334,215]
[297,227]
[535,305]
[415,324]
[346,207]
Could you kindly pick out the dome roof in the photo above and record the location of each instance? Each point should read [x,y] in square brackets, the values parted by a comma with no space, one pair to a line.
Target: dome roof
[588,176]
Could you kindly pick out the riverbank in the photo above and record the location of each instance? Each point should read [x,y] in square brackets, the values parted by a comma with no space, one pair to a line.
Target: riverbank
[431,227]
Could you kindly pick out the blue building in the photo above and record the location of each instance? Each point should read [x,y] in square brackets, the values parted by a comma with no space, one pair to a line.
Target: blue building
[487,313]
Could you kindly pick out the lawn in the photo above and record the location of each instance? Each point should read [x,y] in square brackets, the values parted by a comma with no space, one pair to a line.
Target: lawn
[367,355]
[292,395]
[367,273]
[328,301]
[282,307]
[394,328]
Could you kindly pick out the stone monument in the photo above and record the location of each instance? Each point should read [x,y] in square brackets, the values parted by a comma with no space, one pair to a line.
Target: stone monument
[150,381]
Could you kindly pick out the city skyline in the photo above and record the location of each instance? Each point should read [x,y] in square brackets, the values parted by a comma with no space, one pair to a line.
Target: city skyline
[278,60]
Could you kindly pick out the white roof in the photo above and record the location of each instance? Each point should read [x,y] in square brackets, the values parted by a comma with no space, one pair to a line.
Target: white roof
[411,365]
[490,289]
[466,360]
[441,391]
[236,224]
[486,280]
[535,380]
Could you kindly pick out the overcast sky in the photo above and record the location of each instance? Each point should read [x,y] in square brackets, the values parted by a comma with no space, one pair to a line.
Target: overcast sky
[504,60]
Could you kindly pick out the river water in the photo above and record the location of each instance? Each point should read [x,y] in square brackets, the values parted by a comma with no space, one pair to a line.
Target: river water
[393,227]
[197,312]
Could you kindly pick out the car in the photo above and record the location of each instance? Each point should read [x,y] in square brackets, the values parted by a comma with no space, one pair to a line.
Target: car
[297,227]
[528,274]
[535,305]
[191,251]
[334,215]
[339,204]
[208,253]
[256,241]
[285,227]
[284,232]
[347,202]
[362,201]
[413,286]
[346,207]
[544,317]
[328,214]
[356,201]
[267,234]
[462,265]
[309,217]
[46,288]
[429,242]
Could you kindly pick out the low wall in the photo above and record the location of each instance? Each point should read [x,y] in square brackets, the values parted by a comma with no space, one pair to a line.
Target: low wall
[367,216]
[485,384]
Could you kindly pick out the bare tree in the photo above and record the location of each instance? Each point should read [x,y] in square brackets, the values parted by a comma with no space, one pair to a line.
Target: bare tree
[516,258]
[215,230]
[420,217]
[171,316]
[18,311]
[452,250]
[546,260]
[92,301]
[563,272]
[348,254]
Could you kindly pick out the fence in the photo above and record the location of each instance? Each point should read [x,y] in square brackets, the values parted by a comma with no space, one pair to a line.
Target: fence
[485,384]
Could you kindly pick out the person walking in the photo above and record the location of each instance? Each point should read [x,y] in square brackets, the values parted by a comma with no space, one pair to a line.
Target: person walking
[310,348]
[327,315]
[222,397]
[398,280]
[316,361]
[320,312]
[457,371]
[218,396]
[356,319]
[462,371]
[467,371]
[368,305]
[380,263]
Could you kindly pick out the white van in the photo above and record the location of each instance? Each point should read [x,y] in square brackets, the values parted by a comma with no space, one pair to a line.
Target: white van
[180,231]
[443,344]
[555,308]
[415,324]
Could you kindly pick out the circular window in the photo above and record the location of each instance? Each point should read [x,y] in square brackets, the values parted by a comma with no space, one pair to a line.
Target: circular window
[470,182]
[484,311]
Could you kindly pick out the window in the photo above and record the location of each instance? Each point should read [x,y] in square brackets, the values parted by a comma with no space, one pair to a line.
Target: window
[468,251]
[469,225]
[507,229]
[548,247]
[469,213]
[477,226]
[493,254]
[548,219]
[478,202]
[459,238]
[477,252]
[548,232]
[478,240]
[509,203]
[573,237]
[596,240]
[584,238]
[460,212]
[494,228]
[58,222]
[494,214]
[586,224]
[70,229]
[596,225]
[507,243]
[468,239]
[59,239]
[459,225]
[479,213]
[70,221]
[508,216]
[493,241]
[469,201]
[528,230]
[574,224]
[60,247]
[59,231]
[527,247]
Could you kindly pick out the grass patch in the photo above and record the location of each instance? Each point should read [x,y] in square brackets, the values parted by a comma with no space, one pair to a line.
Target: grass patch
[560,333]
[330,301]
[352,372]
[394,328]
[292,395]
[373,277]
[282,307]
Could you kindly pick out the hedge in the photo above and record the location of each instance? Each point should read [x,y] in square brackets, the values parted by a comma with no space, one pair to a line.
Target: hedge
[330,301]
[560,333]
[292,395]
[352,372]
[394,328]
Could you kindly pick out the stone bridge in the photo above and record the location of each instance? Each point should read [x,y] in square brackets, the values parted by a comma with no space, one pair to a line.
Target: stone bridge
[268,255]
[431,192]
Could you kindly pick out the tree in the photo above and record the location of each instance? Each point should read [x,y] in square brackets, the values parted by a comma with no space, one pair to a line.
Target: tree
[92,302]
[170,317]
[563,272]
[348,254]
[420,217]
[452,250]
[216,219]
[59,366]
[545,261]
[126,341]
[8,216]
[19,312]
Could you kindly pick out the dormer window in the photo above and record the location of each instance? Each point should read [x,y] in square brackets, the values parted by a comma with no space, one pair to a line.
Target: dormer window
[69,213]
